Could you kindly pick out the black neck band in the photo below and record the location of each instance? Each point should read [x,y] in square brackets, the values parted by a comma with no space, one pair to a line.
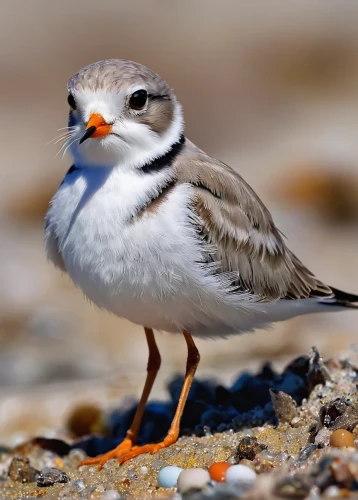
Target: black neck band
[157,164]
[165,160]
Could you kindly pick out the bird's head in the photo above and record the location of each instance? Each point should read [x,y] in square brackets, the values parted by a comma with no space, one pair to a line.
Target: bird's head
[121,113]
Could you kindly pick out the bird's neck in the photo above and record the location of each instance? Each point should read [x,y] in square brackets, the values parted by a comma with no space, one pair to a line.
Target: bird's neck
[166,159]
[159,150]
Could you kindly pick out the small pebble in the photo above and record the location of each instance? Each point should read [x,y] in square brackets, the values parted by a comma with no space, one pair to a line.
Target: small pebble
[158,464]
[317,372]
[332,411]
[78,485]
[132,474]
[322,438]
[285,407]
[241,475]
[294,487]
[49,476]
[21,471]
[248,447]
[193,479]
[168,476]
[296,422]
[217,471]
[86,419]
[110,495]
[342,438]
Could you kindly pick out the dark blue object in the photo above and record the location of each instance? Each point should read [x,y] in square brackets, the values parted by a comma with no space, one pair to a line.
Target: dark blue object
[246,404]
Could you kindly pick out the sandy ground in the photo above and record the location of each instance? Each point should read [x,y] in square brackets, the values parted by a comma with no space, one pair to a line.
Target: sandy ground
[295,458]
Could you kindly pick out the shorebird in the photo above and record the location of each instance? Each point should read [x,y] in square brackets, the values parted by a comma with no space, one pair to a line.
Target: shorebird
[155,230]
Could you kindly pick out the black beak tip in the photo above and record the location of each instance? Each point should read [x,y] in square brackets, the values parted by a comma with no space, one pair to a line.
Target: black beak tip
[90,131]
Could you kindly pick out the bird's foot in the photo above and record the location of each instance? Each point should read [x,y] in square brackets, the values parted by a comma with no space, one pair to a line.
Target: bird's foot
[122,449]
[126,451]
[147,448]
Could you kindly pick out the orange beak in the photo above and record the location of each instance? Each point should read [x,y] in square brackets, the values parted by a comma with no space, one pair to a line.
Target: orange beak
[96,127]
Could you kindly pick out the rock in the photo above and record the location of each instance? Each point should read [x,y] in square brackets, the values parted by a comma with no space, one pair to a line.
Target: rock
[305,453]
[193,480]
[331,411]
[341,413]
[284,405]
[322,438]
[241,476]
[50,476]
[78,485]
[313,431]
[317,371]
[168,476]
[215,491]
[20,470]
[248,448]
[297,486]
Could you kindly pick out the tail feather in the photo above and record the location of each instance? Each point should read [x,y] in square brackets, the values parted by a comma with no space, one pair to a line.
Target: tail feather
[341,299]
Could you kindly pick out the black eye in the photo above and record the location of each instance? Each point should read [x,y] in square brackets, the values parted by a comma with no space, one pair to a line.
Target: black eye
[138,99]
[71,101]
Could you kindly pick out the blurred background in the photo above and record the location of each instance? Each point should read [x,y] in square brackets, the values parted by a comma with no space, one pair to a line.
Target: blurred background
[269,88]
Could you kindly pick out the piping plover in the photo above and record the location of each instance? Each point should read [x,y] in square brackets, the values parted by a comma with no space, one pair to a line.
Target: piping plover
[155,230]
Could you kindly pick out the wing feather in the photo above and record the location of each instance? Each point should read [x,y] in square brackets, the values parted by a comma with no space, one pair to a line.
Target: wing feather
[245,241]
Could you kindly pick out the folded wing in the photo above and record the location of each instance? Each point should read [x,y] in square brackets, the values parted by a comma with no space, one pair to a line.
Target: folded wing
[245,241]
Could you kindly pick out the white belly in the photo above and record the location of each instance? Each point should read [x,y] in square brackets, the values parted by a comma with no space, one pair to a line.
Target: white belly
[143,269]
[147,269]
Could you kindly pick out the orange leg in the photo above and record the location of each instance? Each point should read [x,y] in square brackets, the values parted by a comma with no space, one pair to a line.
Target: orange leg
[191,366]
[132,435]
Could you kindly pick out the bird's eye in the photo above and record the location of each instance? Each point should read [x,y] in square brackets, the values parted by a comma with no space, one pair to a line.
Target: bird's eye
[138,99]
[71,101]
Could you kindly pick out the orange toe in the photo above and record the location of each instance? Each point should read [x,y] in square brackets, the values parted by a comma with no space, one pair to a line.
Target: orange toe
[147,448]
[122,449]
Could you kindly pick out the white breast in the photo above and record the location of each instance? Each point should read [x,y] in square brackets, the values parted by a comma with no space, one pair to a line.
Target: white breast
[144,269]
[147,269]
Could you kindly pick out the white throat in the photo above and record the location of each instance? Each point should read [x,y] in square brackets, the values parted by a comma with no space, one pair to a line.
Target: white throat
[136,146]
[148,145]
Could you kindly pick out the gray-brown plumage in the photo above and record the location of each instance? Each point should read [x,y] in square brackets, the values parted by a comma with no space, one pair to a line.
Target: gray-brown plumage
[156,231]
[240,241]
[114,75]
[159,114]
[240,229]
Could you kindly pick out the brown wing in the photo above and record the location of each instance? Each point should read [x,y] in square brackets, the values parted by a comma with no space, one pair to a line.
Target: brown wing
[241,231]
